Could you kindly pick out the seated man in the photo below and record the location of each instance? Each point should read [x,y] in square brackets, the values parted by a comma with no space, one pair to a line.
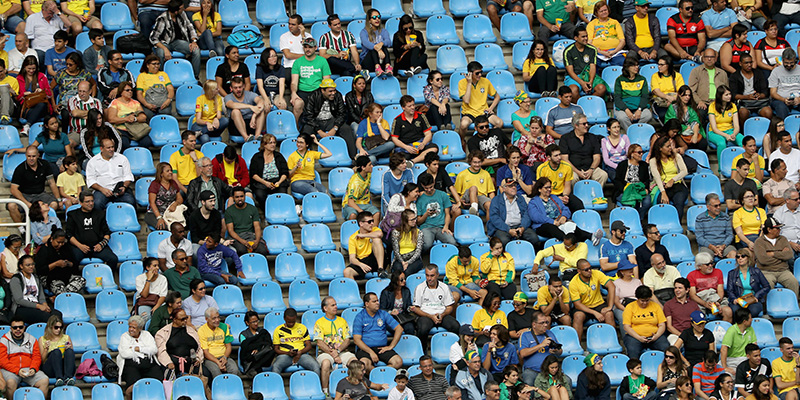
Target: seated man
[292,344]
[714,230]
[215,341]
[20,360]
[558,120]
[581,149]
[212,256]
[686,32]
[617,249]
[474,92]
[370,335]
[28,182]
[109,174]
[738,183]
[411,132]
[96,55]
[365,247]
[679,309]
[78,108]
[324,114]
[88,232]
[509,216]
[553,301]
[474,185]
[783,85]
[247,110]
[338,46]
[705,373]
[55,58]
[462,273]
[707,287]
[433,213]
[719,21]
[176,240]
[173,31]
[555,17]
[111,75]
[567,254]
[244,225]
[332,335]
[492,142]
[773,253]
[584,290]
[580,61]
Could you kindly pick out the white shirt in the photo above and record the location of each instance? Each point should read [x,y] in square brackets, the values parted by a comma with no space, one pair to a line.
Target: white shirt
[792,161]
[165,249]
[15,58]
[433,301]
[107,173]
[791,221]
[158,287]
[40,32]
[294,44]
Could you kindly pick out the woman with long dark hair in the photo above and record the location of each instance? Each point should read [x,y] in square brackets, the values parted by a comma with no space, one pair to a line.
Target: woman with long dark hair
[271,80]
[437,98]
[31,81]
[396,299]
[593,383]
[539,71]
[664,85]
[668,170]
[684,110]
[268,170]
[95,131]
[408,45]
[375,42]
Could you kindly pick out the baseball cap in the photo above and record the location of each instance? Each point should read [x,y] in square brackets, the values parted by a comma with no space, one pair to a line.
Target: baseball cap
[206,195]
[619,226]
[771,222]
[520,296]
[309,41]
[698,317]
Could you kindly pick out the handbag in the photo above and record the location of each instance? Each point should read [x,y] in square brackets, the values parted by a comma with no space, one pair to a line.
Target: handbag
[137,130]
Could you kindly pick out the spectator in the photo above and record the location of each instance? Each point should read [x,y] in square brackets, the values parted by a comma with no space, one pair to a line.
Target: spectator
[109,174]
[173,31]
[433,213]
[176,240]
[746,224]
[42,24]
[719,22]
[643,387]
[593,383]
[753,292]
[544,80]
[686,31]
[208,25]
[434,305]
[269,172]
[584,290]
[197,304]
[291,45]
[247,110]
[163,315]
[732,353]
[536,345]
[773,253]
[769,49]
[154,89]
[581,149]
[271,81]
[137,353]
[616,250]
[668,170]
[660,279]
[21,51]
[553,380]
[28,298]
[606,36]
[215,341]
[613,153]
[256,347]
[366,252]
[55,265]
[332,335]
[58,356]
[784,369]
[488,316]
[475,380]
[214,260]
[408,46]
[670,371]
[705,373]
[301,165]
[509,215]
[633,171]
[474,91]
[555,18]
[369,333]
[89,239]
[521,319]
[734,187]
[356,102]
[111,75]
[182,274]
[151,289]
[559,119]
[684,110]
[28,182]
[679,309]
[437,98]
[492,143]
[20,359]
[325,113]
[396,299]
[783,88]
[701,85]
[632,102]
[375,42]
[789,155]
[356,385]
[580,60]
[474,185]
[707,287]
[652,245]
[407,242]
[427,385]
[70,183]
[463,275]
[567,254]
[664,85]
[183,355]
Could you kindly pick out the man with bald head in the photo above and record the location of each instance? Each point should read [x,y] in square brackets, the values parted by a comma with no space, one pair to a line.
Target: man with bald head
[28,182]
[78,108]
[704,89]
[19,52]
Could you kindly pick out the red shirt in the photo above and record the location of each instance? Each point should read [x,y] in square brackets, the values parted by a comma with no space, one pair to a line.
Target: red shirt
[686,31]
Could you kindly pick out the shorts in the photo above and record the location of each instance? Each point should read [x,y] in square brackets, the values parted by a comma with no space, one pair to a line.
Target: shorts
[73,19]
[470,286]
[371,261]
[347,211]
[346,357]
[383,357]
[12,22]
[569,81]
[509,5]
[31,380]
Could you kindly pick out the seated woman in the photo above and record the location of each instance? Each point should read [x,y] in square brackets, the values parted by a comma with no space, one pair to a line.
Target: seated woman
[301,165]
[632,100]
[408,46]
[396,299]
[593,383]
[607,36]
[42,224]
[437,98]
[56,267]
[28,301]
[179,347]
[137,355]
[356,101]
[96,130]
[632,171]
[122,111]
[163,196]
[748,220]
[154,90]
[32,81]
[613,147]
[268,170]
[373,138]
[684,110]
[209,119]
[498,353]
[197,304]
[552,380]
[9,257]
[151,289]
[723,121]
[539,71]
[488,316]
[667,169]
[407,244]
[664,86]
[58,356]
[548,213]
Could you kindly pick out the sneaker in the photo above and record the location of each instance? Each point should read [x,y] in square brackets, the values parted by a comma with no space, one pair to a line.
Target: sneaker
[25,129]
[596,236]
[378,71]
[365,74]
[71,382]
[389,70]
[59,382]
[212,53]
[473,209]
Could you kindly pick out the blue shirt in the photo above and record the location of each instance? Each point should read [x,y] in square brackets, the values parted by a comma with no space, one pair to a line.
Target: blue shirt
[439,202]
[719,20]
[373,329]
[501,358]
[57,60]
[615,253]
[528,340]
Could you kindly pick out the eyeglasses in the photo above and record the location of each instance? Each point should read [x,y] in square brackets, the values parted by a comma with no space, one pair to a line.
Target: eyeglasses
[742,256]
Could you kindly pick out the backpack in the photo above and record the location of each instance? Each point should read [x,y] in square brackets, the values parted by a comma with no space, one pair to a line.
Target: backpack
[247,38]
[137,43]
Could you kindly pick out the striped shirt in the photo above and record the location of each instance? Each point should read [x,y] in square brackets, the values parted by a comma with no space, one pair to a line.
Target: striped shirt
[706,378]
[341,43]
[75,103]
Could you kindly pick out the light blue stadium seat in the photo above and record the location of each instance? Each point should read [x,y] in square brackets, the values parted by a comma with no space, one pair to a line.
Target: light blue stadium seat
[303,294]
[641,134]
[503,82]
[141,161]
[115,16]
[255,268]
[108,391]
[522,252]
[629,216]
[94,355]
[687,68]
[505,109]
[36,330]
[726,159]
[441,30]
[602,339]
[679,247]
[346,293]
[465,312]
[128,56]
[756,127]
[572,367]
[318,29]
[595,109]
[153,240]
[275,32]
[765,332]
[348,10]
[279,239]
[450,140]
[389,8]
[376,285]
[338,147]
[441,253]
[267,296]
[114,305]
[270,12]
[544,105]
[338,178]
[469,229]
[385,90]
[186,97]
[122,217]
[568,337]
[72,307]
[691,216]
[514,27]
[328,265]
[587,190]
[92,272]
[428,8]
[782,303]
[318,207]
[83,336]
[383,375]
[114,332]
[234,12]
[125,246]
[229,299]
[349,314]
[703,184]
[10,163]
[188,385]
[148,389]
[280,209]
[28,393]
[270,385]
[610,74]
[164,129]
[180,70]
[614,365]
[66,393]
[558,48]
[304,385]
[665,216]
[455,80]
[588,220]
[519,53]
[227,387]
[477,29]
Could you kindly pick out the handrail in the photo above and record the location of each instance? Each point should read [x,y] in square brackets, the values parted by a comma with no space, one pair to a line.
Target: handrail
[26,224]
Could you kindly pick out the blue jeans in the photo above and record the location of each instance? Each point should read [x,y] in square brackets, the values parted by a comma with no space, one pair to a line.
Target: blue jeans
[207,41]
[378,151]
[283,361]
[183,47]
[100,200]
[306,187]
[217,279]
[205,133]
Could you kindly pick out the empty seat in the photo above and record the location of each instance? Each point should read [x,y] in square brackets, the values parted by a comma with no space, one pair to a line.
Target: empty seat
[478,29]
[289,266]
[385,91]
[629,216]
[98,277]
[148,389]
[304,385]
[229,299]
[140,160]
[279,239]
[304,294]
[255,268]
[164,129]
[270,385]
[267,297]
[188,385]
[346,293]
[115,16]
[114,331]
[83,336]
[514,27]
[469,229]
[665,216]
[328,265]
[122,217]
[72,307]
[587,191]
[449,143]
[114,306]
[125,246]
[441,30]
[318,207]
[602,339]
[782,303]
[185,99]
[316,237]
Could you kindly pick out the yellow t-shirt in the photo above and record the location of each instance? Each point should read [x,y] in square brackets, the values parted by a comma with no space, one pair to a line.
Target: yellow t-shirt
[724,120]
[643,37]
[207,107]
[78,6]
[543,297]
[751,173]
[588,293]
[70,183]
[147,80]
[183,166]
[306,170]
[213,341]
[750,221]
[362,247]
[665,83]
[5,5]
[784,370]
[331,332]
[498,269]
[643,321]
[230,168]
[478,98]
[291,338]
[557,176]
[467,179]
[482,319]
[458,275]
[211,22]
[530,67]
[604,35]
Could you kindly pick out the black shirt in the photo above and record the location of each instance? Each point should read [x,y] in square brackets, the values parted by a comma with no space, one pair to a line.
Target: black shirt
[412,131]
[517,322]
[695,349]
[745,377]
[32,181]
[643,255]
[88,228]
[200,228]
[492,145]
[224,72]
[580,152]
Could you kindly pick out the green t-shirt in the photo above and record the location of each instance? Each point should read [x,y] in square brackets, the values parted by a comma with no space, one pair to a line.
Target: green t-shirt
[736,341]
[439,202]
[242,219]
[311,72]
[553,9]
